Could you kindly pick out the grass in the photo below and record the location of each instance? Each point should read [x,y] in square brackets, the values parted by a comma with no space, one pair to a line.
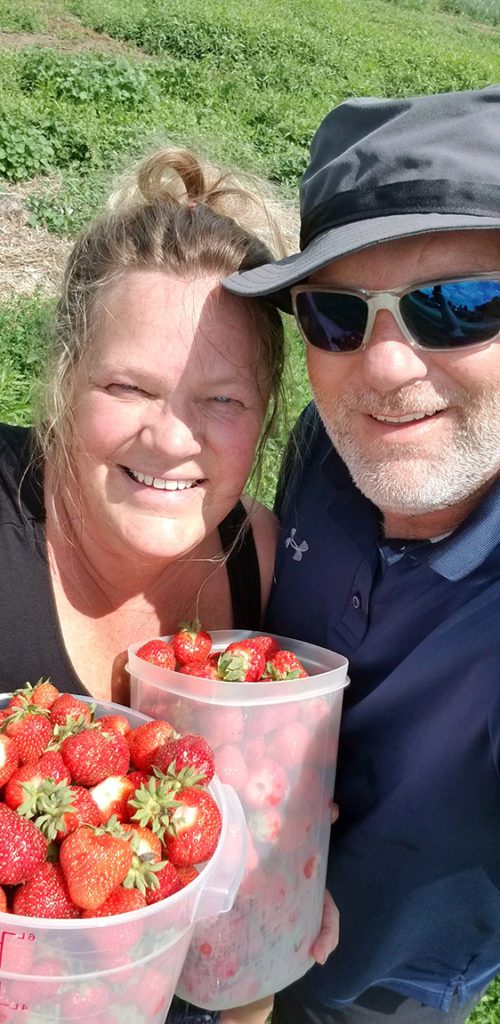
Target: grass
[247,83]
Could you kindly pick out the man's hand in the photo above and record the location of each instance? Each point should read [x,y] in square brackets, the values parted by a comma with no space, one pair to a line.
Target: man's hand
[329,933]
[255,1013]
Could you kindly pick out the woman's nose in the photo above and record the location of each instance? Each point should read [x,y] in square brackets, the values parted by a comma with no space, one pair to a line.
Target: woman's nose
[173,432]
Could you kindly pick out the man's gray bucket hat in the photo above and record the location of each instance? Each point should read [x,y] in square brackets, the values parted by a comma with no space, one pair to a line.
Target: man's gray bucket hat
[385,169]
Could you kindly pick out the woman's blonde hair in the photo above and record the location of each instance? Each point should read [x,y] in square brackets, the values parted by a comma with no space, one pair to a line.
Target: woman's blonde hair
[181,215]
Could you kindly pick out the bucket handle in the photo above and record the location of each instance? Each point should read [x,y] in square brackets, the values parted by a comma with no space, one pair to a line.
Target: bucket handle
[218,896]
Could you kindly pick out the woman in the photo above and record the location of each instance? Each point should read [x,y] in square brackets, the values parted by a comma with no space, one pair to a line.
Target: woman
[155,400]
[120,515]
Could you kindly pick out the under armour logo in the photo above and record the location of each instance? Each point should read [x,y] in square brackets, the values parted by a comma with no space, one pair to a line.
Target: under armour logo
[298,549]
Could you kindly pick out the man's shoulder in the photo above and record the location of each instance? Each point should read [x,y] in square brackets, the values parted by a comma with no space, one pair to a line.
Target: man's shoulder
[310,461]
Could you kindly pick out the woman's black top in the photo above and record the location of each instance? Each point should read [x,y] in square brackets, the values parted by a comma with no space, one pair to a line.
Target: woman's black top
[31,642]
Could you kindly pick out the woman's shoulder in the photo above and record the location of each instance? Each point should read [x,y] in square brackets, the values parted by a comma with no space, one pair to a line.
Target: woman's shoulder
[18,478]
[14,440]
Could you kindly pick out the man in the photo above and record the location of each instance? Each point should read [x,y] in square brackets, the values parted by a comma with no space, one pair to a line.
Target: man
[393,507]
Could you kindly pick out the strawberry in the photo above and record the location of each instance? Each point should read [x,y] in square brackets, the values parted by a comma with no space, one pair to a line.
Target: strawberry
[158,652]
[42,695]
[31,728]
[137,778]
[87,999]
[315,712]
[153,997]
[290,744]
[284,665]
[47,967]
[191,643]
[169,881]
[9,758]
[266,717]
[231,766]
[66,705]
[253,749]
[23,848]
[3,900]
[265,825]
[194,828]
[26,781]
[92,756]
[267,784]
[188,758]
[83,811]
[144,842]
[153,805]
[187,873]
[201,669]
[266,645]
[223,725]
[94,862]
[241,663]
[112,796]
[145,740]
[45,894]
[58,809]
[120,901]
[146,862]
[115,723]
[311,866]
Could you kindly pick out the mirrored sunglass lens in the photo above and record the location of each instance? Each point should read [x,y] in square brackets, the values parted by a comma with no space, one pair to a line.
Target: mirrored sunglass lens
[454,314]
[332,321]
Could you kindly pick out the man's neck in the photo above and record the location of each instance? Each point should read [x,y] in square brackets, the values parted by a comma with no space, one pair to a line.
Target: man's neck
[427,525]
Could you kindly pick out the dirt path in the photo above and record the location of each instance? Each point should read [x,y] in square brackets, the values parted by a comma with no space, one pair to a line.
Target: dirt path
[31,258]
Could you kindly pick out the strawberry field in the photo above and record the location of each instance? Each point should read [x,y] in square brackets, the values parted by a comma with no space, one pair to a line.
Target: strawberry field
[85,85]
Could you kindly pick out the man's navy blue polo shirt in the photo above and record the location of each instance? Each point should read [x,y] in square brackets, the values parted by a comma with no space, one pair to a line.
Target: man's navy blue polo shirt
[415,856]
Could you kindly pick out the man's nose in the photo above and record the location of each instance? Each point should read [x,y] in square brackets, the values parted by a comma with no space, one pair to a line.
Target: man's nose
[389,361]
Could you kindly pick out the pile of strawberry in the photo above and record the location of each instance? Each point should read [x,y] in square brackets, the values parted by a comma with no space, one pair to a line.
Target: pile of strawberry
[97,818]
[254,659]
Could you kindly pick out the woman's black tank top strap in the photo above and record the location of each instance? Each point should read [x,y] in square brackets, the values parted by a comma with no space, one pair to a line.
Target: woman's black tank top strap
[242,569]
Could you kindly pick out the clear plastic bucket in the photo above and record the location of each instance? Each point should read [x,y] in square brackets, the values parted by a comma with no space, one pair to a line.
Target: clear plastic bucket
[277,742]
[123,967]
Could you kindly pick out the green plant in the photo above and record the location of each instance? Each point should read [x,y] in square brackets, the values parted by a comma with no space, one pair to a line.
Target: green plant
[24,149]
[487,11]
[25,329]
[20,17]
[87,78]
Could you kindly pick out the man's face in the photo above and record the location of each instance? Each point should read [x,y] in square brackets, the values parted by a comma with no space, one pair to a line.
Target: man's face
[419,432]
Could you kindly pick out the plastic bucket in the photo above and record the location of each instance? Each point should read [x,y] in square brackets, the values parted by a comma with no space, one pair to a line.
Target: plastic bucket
[67,970]
[264,943]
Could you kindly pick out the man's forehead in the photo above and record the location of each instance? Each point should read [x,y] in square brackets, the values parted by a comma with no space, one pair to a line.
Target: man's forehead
[438,253]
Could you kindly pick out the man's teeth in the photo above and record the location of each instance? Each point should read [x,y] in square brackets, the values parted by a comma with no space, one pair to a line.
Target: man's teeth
[162,485]
[402,419]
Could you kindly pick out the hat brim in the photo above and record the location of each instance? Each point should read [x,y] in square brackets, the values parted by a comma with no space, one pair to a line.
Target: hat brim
[273,280]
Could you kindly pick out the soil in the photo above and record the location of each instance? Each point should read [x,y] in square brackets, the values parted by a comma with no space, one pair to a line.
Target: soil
[32,259]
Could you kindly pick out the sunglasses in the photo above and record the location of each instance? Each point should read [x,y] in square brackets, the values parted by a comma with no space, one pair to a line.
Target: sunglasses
[438,316]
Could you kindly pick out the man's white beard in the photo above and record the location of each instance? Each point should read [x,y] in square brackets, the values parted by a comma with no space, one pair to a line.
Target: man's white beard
[412,479]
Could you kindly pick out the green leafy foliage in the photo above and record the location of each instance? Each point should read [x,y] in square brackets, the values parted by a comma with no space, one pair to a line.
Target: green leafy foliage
[24,149]
[87,78]
[486,11]
[25,330]
[20,17]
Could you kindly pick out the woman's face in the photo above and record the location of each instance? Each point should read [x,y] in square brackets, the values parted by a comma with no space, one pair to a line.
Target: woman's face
[169,406]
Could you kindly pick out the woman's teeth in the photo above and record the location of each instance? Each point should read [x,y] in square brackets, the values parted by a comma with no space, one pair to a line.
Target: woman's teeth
[162,485]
